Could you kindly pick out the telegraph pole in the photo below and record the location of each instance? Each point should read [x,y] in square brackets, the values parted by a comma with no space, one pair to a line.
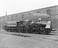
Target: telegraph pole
[6,13]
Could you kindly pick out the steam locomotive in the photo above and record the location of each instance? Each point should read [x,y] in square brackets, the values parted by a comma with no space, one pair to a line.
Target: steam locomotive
[41,25]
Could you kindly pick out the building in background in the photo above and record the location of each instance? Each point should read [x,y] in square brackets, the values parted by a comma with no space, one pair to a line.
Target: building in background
[52,11]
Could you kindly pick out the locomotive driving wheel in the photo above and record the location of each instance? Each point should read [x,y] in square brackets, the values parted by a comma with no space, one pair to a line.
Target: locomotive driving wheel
[42,30]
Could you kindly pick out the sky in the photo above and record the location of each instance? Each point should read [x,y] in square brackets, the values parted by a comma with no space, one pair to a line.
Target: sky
[17,6]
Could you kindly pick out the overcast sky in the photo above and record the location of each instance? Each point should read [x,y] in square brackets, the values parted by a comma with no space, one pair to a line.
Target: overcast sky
[16,6]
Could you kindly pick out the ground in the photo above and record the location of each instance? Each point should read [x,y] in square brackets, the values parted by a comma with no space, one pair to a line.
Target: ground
[21,40]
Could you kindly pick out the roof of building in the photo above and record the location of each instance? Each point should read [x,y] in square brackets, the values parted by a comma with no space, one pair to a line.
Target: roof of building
[41,15]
